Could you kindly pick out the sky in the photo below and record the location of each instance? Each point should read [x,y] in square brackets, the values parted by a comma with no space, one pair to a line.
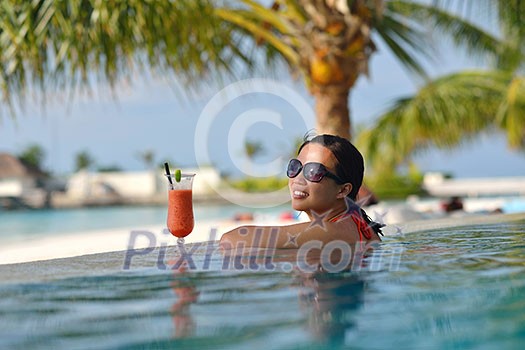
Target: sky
[211,126]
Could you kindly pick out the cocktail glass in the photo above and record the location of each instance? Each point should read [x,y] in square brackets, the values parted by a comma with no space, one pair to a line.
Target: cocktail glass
[180,206]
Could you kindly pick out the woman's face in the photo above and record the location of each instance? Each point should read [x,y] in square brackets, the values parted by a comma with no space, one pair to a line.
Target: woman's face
[319,197]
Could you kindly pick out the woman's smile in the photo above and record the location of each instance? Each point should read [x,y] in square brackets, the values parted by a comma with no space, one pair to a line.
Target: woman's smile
[296,194]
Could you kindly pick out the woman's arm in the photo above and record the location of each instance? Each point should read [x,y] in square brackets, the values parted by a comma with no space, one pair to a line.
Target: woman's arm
[289,236]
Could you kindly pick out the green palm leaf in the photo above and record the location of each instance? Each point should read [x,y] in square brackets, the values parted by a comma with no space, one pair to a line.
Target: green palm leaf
[447,112]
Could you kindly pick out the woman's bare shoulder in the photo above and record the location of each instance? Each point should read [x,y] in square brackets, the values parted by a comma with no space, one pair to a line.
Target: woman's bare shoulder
[292,235]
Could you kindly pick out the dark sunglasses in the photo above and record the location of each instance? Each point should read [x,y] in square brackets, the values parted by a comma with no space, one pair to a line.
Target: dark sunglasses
[313,172]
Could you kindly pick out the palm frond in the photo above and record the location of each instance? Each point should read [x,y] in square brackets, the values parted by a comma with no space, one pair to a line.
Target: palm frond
[66,44]
[242,19]
[511,113]
[476,40]
[404,40]
[511,15]
[447,112]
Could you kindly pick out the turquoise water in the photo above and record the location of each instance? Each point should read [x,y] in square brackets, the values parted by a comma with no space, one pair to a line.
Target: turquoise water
[461,288]
[19,225]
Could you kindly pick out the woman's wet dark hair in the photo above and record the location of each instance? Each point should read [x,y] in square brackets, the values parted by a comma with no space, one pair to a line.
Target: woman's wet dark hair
[350,167]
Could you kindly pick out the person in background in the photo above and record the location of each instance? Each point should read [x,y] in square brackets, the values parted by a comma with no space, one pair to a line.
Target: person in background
[453,204]
[366,197]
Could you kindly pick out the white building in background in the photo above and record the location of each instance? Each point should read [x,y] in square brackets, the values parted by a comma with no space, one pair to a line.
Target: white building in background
[19,184]
[205,182]
[436,184]
[137,186]
[84,185]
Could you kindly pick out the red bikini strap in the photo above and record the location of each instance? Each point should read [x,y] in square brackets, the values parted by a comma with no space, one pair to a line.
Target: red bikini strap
[362,227]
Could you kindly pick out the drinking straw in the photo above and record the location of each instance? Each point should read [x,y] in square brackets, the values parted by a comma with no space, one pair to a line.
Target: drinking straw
[166,166]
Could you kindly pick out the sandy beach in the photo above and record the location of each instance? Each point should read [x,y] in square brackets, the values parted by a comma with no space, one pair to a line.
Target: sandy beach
[110,240]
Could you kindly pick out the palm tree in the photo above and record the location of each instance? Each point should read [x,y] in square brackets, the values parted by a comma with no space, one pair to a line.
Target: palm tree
[446,112]
[33,156]
[83,160]
[458,106]
[148,158]
[253,148]
[53,45]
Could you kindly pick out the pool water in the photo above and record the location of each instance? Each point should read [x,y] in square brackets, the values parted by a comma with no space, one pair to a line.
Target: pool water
[21,225]
[455,288]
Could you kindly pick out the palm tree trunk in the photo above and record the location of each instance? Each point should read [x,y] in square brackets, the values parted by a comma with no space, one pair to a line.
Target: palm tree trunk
[333,114]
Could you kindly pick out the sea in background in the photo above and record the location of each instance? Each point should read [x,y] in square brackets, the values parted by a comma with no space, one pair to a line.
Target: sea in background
[17,226]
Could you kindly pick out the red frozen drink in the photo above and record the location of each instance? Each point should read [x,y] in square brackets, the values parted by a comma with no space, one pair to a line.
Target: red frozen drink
[180,212]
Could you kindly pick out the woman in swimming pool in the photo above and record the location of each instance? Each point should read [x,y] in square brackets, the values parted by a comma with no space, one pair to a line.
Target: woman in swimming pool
[324,181]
